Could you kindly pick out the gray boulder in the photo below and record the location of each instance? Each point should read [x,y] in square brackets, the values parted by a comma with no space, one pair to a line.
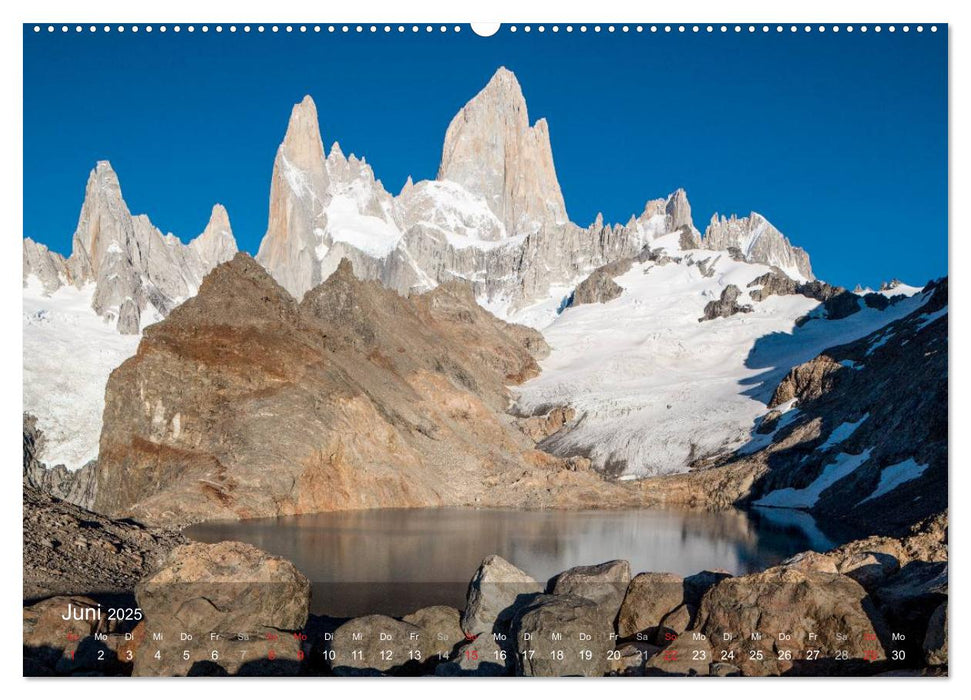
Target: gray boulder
[443,625]
[650,596]
[562,635]
[497,590]
[605,584]
[377,645]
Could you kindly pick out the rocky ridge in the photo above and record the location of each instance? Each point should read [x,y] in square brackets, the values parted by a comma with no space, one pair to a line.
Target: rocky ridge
[244,402]
[133,267]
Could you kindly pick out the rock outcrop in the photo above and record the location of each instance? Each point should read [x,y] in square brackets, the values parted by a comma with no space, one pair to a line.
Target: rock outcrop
[600,286]
[726,305]
[585,636]
[496,592]
[77,487]
[378,644]
[648,599]
[794,611]
[69,550]
[604,584]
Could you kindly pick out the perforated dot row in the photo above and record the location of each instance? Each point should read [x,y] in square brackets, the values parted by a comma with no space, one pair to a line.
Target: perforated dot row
[258,28]
[428,28]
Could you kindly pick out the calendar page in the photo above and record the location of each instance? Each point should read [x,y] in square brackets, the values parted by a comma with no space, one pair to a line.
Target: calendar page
[450,350]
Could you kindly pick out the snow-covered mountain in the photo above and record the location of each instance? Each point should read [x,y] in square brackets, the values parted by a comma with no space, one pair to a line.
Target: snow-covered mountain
[654,388]
[655,385]
[134,267]
[83,315]
[494,217]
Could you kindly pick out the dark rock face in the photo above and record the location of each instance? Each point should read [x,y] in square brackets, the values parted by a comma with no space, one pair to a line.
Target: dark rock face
[893,386]
[77,487]
[935,641]
[582,627]
[244,602]
[727,305]
[837,302]
[245,403]
[600,286]
[69,550]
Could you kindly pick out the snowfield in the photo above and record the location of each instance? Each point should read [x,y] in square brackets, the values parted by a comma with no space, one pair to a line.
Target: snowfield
[69,351]
[654,388]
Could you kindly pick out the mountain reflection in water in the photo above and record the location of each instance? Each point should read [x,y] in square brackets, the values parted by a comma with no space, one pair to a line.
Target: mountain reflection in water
[395,561]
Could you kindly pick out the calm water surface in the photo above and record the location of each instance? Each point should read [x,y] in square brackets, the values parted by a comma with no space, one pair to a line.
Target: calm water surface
[395,561]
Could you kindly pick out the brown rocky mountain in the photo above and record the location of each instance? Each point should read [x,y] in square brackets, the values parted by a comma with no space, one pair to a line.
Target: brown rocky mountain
[245,403]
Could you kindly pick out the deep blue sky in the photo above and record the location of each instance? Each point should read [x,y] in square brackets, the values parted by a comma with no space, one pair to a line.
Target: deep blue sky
[839,139]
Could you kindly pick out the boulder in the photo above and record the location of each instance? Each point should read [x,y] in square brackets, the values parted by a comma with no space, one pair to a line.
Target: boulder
[605,584]
[809,609]
[562,635]
[650,596]
[443,627]
[240,604]
[812,561]
[935,640]
[497,590]
[487,655]
[629,659]
[674,624]
[869,569]
[687,655]
[50,642]
[696,585]
[378,645]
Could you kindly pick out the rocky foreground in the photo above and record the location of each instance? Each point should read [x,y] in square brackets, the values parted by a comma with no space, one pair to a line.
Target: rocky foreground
[873,606]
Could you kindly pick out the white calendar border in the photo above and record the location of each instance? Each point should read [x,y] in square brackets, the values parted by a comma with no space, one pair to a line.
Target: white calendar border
[437,11]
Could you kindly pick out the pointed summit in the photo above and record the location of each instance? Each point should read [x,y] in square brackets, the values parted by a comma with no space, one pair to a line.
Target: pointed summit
[104,225]
[302,144]
[678,208]
[216,244]
[493,152]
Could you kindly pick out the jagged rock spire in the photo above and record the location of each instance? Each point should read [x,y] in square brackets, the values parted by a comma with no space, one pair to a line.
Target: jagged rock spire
[216,244]
[758,241]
